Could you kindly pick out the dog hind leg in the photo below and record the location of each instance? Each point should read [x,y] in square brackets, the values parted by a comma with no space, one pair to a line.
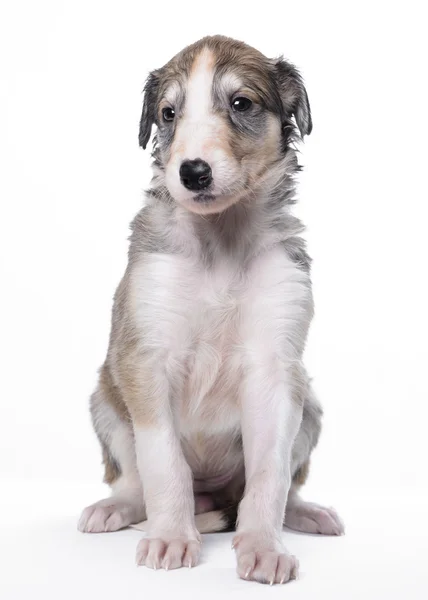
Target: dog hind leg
[304,516]
[126,504]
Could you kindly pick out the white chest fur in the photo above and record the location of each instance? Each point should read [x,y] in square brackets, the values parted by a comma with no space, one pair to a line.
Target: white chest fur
[200,324]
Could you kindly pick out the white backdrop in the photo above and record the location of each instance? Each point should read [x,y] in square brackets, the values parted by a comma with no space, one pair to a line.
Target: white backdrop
[72,177]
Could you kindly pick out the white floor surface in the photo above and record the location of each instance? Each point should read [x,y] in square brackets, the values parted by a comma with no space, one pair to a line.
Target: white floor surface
[384,554]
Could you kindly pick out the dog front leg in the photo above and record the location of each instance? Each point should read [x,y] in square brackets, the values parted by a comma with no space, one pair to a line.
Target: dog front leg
[172,539]
[270,419]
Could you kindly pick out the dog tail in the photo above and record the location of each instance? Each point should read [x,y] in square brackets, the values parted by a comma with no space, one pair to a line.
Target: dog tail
[217,520]
[214,521]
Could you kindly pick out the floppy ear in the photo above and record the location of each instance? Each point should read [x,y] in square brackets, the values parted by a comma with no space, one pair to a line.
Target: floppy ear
[148,116]
[293,94]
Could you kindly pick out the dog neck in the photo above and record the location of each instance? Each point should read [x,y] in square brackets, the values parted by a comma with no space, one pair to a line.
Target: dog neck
[248,227]
[255,223]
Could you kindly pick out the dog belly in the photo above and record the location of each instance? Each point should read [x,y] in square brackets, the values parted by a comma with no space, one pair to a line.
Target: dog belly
[214,459]
[213,483]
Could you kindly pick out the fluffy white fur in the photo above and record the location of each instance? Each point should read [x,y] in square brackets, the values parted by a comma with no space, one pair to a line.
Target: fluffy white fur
[204,377]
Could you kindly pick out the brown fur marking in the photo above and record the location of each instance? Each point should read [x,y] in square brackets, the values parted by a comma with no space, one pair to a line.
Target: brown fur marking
[112,470]
[111,393]
[301,475]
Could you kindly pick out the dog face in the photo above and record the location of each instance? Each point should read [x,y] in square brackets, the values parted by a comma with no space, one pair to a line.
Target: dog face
[224,121]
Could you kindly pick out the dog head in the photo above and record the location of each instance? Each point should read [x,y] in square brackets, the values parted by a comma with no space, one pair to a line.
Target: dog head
[224,115]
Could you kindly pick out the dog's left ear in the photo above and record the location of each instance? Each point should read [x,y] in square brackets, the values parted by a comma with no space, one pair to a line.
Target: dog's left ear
[148,116]
[293,94]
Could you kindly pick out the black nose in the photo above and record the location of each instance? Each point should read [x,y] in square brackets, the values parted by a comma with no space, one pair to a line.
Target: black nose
[195,174]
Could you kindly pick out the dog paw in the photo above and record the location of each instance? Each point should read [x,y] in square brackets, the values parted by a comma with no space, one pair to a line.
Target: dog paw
[106,515]
[312,518]
[169,553]
[265,563]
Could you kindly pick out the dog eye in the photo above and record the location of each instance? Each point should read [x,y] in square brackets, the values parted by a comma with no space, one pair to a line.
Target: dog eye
[168,114]
[241,104]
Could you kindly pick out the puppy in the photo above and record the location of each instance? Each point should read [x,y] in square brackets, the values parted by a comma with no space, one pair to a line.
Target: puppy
[203,405]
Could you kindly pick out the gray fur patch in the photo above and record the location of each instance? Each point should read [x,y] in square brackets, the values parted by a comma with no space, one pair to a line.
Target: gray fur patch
[309,431]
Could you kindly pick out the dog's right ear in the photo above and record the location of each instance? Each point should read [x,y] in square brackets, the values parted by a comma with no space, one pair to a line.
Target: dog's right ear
[148,116]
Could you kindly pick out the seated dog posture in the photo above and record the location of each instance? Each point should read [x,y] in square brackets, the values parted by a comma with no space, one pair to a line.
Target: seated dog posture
[203,405]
